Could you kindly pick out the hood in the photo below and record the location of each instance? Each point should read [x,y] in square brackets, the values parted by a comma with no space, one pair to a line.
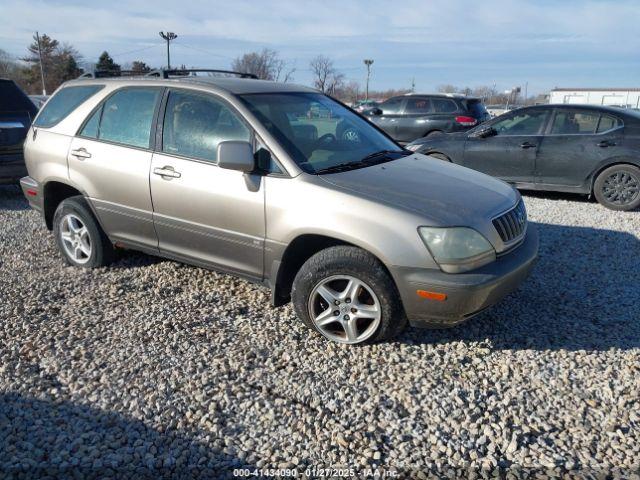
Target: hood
[441,192]
[445,137]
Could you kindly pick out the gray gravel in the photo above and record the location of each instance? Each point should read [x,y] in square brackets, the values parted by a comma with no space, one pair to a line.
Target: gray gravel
[154,368]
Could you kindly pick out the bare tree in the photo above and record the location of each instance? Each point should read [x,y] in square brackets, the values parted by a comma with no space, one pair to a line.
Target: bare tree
[447,88]
[266,65]
[326,77]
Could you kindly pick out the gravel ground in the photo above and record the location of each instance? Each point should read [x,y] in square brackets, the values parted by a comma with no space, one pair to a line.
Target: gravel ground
[152,368]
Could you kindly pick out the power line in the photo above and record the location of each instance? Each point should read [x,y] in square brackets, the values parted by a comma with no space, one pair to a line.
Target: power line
[182,44]
[137,50]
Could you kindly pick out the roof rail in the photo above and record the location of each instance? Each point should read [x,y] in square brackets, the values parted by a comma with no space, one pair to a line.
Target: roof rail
[112,73]
[183,72]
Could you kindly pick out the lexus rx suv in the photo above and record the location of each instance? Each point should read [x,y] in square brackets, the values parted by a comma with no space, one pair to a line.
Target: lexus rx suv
[279,184]
[408,117]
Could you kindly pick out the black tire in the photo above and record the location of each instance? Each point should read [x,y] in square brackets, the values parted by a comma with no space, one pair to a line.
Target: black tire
[439,156]
[357,263]
[100,247]
[618,187]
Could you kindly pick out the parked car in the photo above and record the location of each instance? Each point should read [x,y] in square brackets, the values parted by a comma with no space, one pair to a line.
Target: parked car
[362,105]
[408,117]
[586,149]
[16,113]
[233,174]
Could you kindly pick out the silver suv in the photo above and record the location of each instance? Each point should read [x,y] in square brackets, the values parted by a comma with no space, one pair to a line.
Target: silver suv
[279,184]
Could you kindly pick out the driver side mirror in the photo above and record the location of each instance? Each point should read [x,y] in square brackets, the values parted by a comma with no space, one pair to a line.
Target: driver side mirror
[236,155]
[484,132]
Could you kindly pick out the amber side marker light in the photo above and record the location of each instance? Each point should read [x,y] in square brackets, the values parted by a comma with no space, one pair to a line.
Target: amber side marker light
[440,297]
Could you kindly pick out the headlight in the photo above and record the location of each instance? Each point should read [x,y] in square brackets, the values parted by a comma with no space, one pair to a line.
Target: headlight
[457,249]
[413,148]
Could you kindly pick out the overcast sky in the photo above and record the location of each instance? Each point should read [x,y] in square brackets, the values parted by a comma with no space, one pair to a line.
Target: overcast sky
[507,43]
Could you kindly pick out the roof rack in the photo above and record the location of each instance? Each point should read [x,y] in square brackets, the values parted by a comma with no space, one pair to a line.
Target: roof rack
[112,73]
[183,72]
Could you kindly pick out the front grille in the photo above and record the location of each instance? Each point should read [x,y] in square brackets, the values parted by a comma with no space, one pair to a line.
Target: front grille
[511,225]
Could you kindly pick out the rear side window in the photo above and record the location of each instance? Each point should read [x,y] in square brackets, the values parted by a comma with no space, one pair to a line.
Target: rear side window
[607,122]
[417,105]
[574,122]
[63,103]
[125,117]
[194,124]
[444,105]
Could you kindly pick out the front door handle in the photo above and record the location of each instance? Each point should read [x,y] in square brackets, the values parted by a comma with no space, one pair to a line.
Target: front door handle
[606,143]
[167,172]
[528,145]
[81,153]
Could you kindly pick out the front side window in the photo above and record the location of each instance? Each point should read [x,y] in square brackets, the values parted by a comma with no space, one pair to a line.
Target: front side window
[523,123]
[319,134]
[417,105]
[574,122]
[63,103]
[194,125]
[125,117]
[391,106]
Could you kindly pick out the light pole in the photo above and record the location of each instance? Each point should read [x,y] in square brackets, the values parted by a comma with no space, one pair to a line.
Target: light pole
[44,89]
[168,37]
[368,62]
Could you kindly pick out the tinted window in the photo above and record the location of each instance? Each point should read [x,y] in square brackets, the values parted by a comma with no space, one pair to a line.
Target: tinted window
[523,123]
[444,105]
[417,105]
[194,124]
[63,103]
[573,122]
[90,128]
[392,105]
[476,108]
[127,116]
[607,122]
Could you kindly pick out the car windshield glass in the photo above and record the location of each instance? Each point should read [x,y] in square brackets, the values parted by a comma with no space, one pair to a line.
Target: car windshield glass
[319,134]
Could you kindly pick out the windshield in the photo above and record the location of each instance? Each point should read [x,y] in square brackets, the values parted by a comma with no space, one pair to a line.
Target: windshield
[319,134]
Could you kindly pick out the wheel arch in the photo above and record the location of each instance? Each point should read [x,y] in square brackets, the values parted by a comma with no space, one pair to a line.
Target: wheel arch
[54,192]
[297,252]
[609,163]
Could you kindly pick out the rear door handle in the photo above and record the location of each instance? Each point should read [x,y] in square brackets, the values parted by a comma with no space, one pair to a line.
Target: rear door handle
[528,145]
[606,143]
[167,172]
[80,153]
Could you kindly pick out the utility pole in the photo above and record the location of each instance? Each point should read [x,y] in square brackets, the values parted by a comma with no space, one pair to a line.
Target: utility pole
[44,89]
[168,37]
[413,85]
[368,62]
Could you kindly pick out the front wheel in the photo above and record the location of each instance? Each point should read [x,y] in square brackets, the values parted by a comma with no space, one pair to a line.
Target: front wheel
[345,294]
[618,187]
[79,236]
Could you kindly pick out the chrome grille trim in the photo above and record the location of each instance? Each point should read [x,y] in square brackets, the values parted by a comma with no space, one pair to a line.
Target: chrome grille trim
[511,225]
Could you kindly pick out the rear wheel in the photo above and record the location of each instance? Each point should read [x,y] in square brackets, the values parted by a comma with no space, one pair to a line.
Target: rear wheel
[79,236]
[618,187]
[345,294]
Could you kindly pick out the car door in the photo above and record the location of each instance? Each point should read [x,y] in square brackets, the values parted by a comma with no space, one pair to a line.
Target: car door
[510,152]
[414,121]
[389,113]
[203,213]
[110,158]
[576,142]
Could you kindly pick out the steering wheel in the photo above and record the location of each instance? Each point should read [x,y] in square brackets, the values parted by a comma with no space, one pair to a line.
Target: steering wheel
[326,139]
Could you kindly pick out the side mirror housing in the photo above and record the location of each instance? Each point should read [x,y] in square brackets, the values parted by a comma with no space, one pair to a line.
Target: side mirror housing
[484,132]
[236,155]
[373,112]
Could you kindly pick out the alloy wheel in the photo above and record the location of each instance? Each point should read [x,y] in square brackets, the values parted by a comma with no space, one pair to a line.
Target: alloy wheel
[75,238]
[621,188]
[345,309]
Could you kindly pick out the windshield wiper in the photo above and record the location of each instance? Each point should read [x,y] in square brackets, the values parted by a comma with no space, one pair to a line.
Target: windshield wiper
[367,161]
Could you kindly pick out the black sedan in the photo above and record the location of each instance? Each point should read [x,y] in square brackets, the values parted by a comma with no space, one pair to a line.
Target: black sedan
[566,148]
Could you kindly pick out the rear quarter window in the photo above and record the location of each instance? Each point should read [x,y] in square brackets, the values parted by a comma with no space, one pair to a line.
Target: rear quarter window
[444,105]
[63,103]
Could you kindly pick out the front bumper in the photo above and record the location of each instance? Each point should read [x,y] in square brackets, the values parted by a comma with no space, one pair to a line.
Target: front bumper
[466,293]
